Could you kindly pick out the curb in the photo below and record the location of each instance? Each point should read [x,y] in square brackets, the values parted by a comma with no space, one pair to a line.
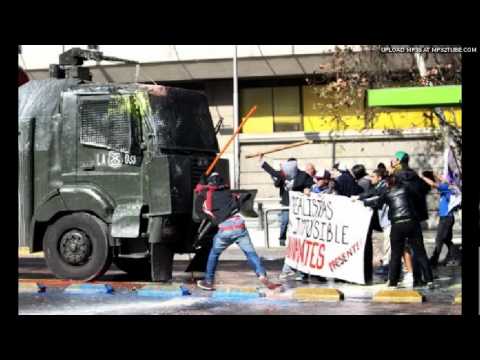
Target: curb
[317,294]
[398,296]
[236,293]
[89,289]
[163,291]
[24,251]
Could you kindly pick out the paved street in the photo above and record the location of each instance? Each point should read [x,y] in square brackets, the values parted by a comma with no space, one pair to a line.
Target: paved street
[232,271]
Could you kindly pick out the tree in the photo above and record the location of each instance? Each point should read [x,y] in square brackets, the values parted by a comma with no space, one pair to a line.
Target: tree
[341,85]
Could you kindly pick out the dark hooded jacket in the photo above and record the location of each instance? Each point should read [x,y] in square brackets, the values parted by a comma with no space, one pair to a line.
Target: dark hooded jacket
[418,190]
[301,181]
[218,203]
[346,185]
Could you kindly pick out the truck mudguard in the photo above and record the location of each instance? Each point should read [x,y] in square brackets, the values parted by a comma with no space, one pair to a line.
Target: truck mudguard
[83,197]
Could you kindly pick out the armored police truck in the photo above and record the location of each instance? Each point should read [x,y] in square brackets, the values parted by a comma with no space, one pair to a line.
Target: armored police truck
[107,172]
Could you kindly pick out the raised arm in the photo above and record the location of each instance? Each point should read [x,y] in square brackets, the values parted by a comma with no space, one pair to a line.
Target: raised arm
[430,182]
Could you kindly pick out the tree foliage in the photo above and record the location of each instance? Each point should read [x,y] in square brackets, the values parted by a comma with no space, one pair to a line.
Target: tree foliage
[340,84]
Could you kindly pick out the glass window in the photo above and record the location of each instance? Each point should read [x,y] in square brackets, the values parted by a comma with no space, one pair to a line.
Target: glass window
[278,109]
[262,120]
[286,109]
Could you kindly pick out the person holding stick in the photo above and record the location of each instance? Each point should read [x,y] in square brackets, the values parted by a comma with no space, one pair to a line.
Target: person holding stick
[289,178]
[222,208]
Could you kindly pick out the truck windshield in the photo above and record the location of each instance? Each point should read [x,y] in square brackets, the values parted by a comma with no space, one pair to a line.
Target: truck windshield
[182,120]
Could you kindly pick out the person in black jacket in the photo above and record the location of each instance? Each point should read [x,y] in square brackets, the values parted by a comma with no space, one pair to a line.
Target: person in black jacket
[361,177]
[222,208]
[345,183]
[418,191]
[289,178]
[405,229]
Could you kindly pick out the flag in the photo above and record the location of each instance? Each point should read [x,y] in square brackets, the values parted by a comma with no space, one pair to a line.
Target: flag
[451,169]
[452,173]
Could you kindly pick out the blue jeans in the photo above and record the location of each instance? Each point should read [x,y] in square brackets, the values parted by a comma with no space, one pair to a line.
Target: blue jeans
[283,224]
[224,238]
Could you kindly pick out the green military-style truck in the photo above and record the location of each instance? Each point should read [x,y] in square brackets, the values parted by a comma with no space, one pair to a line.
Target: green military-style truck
[107,172]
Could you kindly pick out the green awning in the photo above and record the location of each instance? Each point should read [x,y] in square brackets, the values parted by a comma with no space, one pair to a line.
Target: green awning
[408,96]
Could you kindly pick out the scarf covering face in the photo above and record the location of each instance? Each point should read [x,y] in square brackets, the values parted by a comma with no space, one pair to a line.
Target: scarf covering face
[290,169]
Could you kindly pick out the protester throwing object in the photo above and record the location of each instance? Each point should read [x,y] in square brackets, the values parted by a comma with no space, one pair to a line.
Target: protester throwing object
[289,178]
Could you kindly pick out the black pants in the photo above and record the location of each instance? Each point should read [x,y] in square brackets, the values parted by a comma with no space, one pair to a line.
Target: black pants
[368,256]
[409,233]
[444,236]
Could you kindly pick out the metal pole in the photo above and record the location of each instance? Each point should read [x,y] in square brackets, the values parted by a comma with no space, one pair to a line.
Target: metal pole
[236,148]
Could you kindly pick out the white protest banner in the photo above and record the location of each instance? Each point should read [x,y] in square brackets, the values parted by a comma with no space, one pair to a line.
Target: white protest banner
[327,235]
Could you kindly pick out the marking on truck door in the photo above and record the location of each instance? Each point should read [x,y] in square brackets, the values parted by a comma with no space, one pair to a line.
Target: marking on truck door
[101,159]
[114,159]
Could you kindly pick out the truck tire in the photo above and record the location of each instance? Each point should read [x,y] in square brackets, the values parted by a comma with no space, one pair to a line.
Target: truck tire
[137,268]
[161,258]
[76,247]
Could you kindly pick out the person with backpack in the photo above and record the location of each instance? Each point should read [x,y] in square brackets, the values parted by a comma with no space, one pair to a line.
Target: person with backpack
[222,208]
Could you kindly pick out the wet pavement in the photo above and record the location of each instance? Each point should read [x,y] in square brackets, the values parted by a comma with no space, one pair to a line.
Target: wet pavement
[232,271]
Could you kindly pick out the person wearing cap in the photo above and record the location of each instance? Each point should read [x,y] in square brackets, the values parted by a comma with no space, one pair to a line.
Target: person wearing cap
[418,191]
[322,183]
[405,229]
[222,208]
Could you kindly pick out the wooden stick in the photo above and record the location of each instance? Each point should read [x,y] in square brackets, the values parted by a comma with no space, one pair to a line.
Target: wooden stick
[280,148]
[214,162]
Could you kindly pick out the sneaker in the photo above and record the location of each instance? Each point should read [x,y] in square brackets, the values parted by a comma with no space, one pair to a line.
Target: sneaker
[452,262]
[205,285]
[408,281]
[270,285]
[301,277]
[286,275]
[282,242]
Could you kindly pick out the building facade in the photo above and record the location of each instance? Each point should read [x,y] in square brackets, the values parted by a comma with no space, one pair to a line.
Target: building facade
[278,79]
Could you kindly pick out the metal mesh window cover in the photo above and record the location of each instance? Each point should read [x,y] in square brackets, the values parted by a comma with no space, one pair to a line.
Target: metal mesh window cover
[182,119]
[106,123]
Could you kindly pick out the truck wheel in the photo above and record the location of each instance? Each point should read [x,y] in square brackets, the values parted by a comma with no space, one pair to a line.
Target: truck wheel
[76,247]
[161,258]
[138,268]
